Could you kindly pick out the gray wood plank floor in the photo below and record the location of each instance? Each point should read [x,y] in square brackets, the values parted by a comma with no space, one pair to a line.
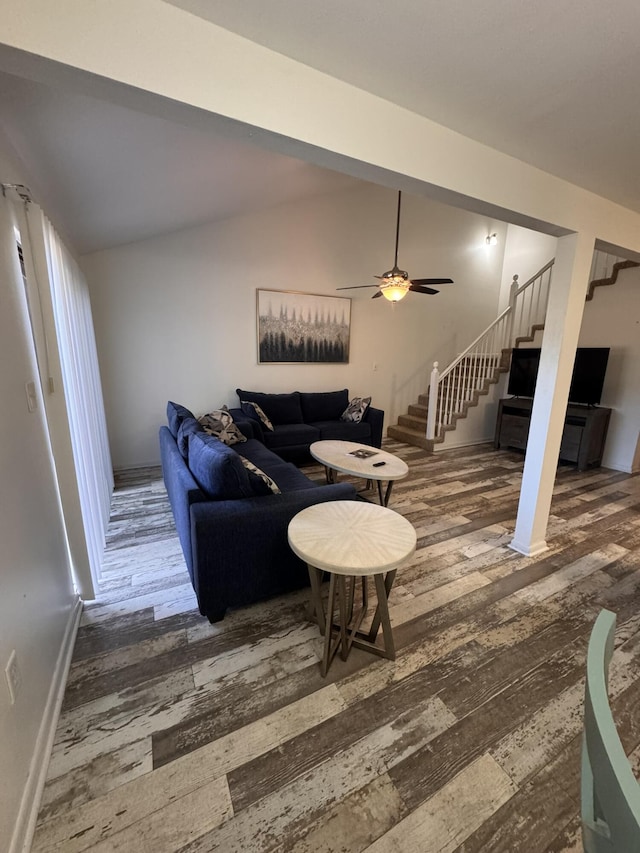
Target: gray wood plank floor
[178,735]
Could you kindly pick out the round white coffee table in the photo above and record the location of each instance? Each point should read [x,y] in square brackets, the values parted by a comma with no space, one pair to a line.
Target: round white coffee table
[350,540]
[339,456]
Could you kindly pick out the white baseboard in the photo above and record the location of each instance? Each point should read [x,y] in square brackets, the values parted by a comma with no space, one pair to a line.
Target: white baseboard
[29,806]
[528,549]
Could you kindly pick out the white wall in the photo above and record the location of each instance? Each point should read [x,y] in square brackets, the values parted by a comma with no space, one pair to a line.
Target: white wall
[37,598]
[175,316]
[612,319]
[525,253]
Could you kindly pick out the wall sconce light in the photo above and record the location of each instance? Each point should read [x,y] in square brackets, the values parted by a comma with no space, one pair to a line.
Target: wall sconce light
[492,240]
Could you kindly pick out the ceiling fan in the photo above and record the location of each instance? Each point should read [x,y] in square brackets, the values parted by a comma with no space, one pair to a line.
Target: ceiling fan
[395,283]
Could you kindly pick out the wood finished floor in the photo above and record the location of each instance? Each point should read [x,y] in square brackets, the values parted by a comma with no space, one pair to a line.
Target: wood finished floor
[178,735]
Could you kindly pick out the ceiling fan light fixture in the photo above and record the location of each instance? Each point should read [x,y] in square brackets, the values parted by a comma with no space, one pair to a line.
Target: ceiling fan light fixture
[395,289]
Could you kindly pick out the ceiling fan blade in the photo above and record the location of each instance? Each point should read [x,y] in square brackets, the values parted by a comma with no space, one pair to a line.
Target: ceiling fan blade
[375,295]
[356,287]
[424,281]
[420,289]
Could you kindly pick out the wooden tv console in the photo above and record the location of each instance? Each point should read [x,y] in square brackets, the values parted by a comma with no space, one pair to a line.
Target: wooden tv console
[583,437]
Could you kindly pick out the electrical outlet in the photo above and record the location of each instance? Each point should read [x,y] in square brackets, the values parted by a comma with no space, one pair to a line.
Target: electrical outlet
[14,679]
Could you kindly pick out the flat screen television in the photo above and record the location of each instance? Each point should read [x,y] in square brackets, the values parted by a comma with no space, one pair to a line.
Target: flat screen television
[586,383]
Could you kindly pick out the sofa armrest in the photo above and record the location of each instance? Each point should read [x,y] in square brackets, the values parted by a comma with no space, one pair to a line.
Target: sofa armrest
[240,548]
[249,427]
[375,419]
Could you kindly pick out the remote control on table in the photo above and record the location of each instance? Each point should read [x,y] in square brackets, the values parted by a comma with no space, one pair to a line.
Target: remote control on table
[378,464]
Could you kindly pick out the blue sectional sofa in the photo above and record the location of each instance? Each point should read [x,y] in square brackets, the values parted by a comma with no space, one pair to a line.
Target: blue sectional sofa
[300,418]
[232,527]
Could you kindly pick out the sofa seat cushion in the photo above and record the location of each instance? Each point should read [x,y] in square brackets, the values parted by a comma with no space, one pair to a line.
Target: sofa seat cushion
[217,468]
[290,435]
[287,476]
[323,405]
[279,408]
[343,431]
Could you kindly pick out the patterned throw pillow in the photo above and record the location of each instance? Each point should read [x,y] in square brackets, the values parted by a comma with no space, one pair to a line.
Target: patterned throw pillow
[220,423]
[253,410]
[355,410]
[266,485]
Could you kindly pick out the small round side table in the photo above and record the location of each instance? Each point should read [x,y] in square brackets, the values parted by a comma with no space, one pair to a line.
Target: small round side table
[351,540]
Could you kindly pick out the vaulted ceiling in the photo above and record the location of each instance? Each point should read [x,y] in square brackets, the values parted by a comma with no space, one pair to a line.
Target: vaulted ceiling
[551,83]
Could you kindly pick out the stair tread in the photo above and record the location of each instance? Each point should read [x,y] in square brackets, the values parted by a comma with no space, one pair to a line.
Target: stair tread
[413,421]
[410,436]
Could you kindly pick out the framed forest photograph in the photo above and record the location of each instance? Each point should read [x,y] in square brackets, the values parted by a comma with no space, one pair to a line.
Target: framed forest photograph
[302,328]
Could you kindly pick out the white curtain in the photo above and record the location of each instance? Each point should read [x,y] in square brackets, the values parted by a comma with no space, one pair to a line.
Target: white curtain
[59,300]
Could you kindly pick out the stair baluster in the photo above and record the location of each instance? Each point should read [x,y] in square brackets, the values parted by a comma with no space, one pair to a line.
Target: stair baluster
[458,387]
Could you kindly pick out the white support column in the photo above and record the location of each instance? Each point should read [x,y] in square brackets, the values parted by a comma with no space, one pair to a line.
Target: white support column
[561,332]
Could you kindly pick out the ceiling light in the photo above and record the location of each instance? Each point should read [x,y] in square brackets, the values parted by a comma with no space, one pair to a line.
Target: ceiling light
[396,288]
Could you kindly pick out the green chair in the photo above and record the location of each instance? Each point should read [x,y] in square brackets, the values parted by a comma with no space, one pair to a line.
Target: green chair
[610,791]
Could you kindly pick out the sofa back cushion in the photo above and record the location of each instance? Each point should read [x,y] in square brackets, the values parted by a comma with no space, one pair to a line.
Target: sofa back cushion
[217,468]
[323,405]
[279,408]
[186,428]
[175,415]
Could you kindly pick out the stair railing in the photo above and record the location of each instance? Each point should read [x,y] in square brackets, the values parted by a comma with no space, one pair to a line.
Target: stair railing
[459,384]
[602,265]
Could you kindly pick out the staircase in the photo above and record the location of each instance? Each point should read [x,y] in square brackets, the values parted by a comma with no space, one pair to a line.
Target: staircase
[470,376]
[412,427]
[608,272]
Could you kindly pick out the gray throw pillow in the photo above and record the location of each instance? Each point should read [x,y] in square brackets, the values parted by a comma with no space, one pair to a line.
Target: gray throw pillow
[261,482]
[220,424]
[355,410]
[253,410]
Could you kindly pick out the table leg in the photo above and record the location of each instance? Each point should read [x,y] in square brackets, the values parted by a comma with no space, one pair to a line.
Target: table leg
[383,611]
[343,606]
[384,501]
[381,617]
[388,583]
[316,608]
[330,475]
[329,652]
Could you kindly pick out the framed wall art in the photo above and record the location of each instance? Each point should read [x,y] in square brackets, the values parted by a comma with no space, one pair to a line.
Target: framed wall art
[302,328]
